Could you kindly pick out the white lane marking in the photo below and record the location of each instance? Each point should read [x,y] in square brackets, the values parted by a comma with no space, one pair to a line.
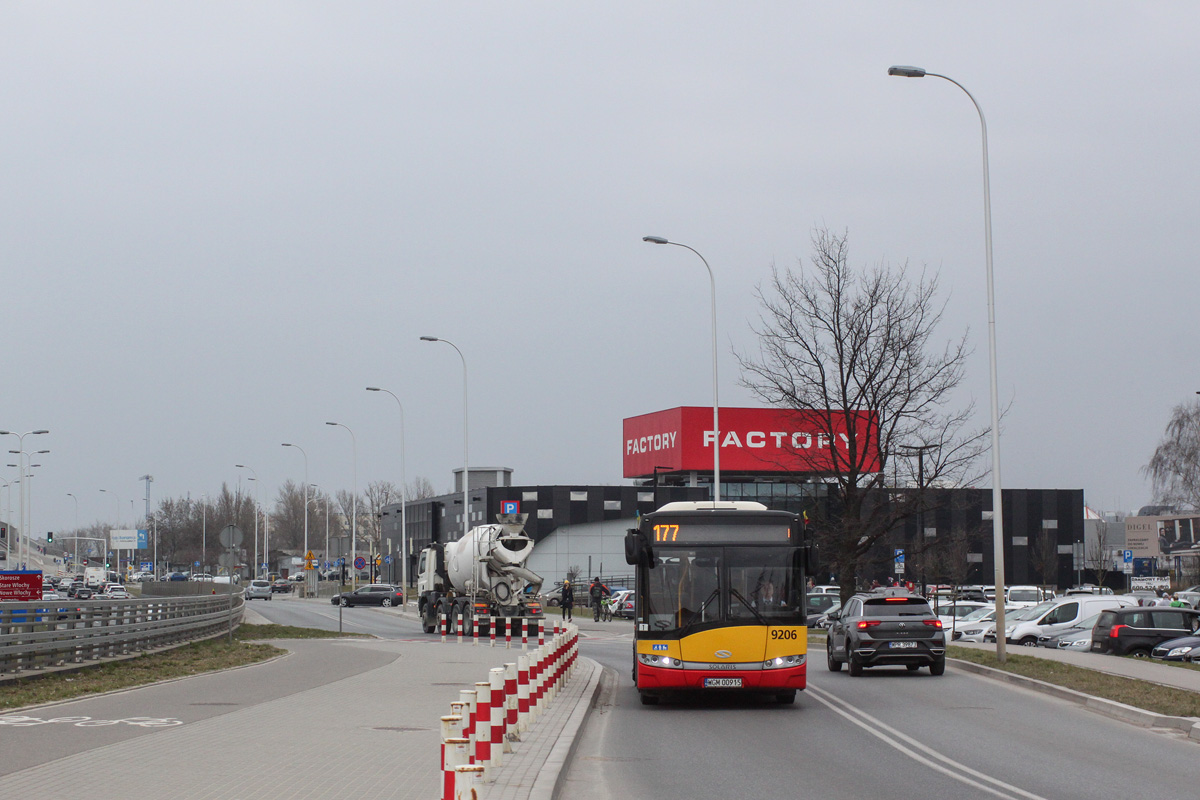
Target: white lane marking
[22,721]
[1005,790]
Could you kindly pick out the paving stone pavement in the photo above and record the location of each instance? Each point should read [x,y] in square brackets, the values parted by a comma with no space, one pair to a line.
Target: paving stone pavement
[371,735]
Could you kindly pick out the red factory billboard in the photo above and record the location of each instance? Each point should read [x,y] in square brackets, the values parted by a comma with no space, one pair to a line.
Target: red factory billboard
[752,440]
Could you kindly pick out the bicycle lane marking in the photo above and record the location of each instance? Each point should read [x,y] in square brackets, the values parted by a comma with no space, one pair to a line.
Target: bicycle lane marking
[915,749]
[23,721]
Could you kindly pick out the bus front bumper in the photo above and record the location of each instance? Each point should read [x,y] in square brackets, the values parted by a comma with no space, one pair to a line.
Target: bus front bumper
[702,679]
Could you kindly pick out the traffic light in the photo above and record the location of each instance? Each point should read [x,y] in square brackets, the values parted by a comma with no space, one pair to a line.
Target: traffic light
[3,532]
[49,537]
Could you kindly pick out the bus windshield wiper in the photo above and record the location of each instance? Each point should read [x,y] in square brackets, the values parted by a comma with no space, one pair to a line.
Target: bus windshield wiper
[735,593]
[696,614]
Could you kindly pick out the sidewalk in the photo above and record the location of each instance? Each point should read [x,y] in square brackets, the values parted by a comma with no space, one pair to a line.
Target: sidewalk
[374,735]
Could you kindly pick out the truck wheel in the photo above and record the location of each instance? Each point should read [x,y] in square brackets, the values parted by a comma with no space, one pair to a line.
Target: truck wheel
[467,620]
[428,619]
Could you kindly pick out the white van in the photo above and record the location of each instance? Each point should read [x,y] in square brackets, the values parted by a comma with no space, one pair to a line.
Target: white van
[1024,596]
[1060,615]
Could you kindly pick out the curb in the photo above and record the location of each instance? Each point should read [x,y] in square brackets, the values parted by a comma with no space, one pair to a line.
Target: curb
[1112,708]
[550,776]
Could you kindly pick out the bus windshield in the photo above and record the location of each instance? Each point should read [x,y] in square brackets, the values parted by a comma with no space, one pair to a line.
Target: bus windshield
[689,587]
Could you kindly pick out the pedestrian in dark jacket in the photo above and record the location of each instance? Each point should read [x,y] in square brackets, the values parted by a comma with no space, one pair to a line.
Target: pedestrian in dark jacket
[568,599]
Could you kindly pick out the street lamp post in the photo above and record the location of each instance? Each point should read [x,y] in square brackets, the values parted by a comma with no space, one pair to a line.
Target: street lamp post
[466,458]
[353,507]
[403,498]
[997,499]
[712,283]
[76,499]
[23,545]
[301,449]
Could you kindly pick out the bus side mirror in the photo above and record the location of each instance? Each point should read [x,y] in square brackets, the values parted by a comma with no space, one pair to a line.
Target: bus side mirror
[812,559]
[635,546]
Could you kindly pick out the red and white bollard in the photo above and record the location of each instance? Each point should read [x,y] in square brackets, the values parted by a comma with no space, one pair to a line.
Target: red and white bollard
[444,624]
[468,782]
[522,693]
[468,698]
[496,681]
[492,630]
[483,723]
[524,633]
[507,632]
[454,752]
[510,698]
[541,625]
[475,631]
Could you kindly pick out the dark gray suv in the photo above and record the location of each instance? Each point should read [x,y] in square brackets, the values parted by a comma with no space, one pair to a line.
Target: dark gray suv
[886,628]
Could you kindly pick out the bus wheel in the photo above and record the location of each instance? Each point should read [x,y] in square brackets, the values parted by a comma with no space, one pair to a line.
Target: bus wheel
[648,699]
[786,698]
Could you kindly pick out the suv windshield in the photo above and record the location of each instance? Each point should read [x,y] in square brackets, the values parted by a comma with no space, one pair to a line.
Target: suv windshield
[689,587]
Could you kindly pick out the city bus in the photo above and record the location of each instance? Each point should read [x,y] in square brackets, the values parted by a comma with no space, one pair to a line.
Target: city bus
[719,600]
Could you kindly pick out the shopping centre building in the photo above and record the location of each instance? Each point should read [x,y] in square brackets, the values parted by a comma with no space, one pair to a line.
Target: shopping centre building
[777,457]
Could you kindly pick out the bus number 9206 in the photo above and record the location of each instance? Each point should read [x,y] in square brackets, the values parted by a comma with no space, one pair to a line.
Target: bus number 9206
[776,633]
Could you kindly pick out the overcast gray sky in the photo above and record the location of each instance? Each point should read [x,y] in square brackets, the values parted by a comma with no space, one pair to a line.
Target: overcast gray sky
[221,221]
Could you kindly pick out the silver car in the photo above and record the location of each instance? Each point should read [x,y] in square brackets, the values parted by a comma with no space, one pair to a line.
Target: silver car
[258,588]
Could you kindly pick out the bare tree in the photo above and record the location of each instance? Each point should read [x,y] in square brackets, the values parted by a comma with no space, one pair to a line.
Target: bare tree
[1174,469]
[839,343]
[419,488]
[1045,557]
[378,495]
[287,518]
[1098,555]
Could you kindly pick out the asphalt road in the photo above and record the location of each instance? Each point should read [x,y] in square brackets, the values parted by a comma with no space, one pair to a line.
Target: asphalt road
[889,733]
[321,614]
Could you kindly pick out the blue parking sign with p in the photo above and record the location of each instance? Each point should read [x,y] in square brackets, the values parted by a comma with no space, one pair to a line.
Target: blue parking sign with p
[510,507]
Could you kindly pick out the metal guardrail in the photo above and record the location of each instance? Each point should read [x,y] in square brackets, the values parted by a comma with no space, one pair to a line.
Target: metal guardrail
[63,633]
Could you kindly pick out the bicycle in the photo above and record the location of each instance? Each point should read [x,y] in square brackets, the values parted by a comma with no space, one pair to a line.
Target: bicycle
[606,609]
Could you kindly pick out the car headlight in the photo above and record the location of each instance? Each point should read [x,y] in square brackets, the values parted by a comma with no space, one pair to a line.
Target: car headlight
[973,632]
[1180,651]
[1080,644]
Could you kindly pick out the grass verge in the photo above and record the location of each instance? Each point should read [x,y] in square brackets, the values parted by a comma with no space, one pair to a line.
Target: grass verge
[1139,694]
[191,659]
[254,632]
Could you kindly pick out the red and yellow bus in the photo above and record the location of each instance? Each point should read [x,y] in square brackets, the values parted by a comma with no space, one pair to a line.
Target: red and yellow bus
[719,600]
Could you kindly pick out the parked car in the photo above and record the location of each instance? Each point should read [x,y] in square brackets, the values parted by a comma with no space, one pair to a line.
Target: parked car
[1190,595]
[623,603]
[200,576]
[1137,631]
[260,589]
[281,586]
[989,631]
[951,614]
[1024,596]
[178,576]
[1060,615]
[975,625]
[825,589]
[553,597]
[1143,597]
[1079,636]
[886,628]
[373,594]
[1185,648]
[817,603]
[822,620]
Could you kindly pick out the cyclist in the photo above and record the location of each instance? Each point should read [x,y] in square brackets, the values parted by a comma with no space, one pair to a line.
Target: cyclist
[596,593]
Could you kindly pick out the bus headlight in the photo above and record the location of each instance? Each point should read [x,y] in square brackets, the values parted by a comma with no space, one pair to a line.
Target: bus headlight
[781,662]
[663,662]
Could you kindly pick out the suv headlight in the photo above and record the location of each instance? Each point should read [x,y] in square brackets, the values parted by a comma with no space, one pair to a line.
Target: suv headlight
[1180,651]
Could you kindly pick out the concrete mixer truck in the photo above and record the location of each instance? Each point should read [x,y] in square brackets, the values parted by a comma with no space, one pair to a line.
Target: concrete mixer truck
[480,576]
